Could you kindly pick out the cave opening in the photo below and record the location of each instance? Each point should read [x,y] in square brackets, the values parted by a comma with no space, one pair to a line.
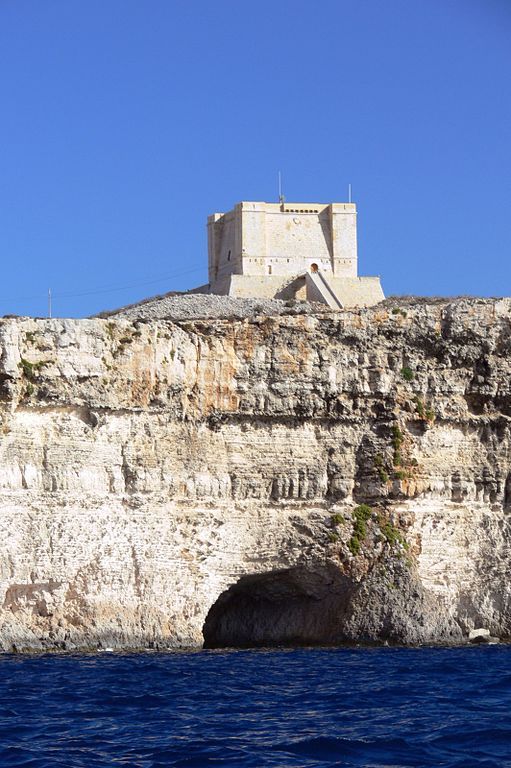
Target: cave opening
[299,606]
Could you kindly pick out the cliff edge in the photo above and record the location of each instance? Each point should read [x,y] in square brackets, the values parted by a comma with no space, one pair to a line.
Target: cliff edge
[302,477]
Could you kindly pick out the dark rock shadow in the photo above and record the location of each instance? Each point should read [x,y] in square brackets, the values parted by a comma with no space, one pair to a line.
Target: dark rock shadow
[319,605]
[293,607]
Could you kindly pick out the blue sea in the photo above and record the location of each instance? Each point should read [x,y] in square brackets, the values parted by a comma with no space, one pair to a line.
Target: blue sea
[287,708]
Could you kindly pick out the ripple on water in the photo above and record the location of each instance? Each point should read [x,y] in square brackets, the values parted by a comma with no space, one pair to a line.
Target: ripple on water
[283,709]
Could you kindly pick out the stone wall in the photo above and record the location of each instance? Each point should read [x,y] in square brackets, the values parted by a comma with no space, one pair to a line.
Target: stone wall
[352,292]
[257,239]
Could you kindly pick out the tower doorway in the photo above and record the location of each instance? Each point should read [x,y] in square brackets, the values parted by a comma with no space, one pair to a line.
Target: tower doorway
[314,267]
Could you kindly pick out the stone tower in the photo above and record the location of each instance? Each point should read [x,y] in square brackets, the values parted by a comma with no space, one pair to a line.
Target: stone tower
[286,250]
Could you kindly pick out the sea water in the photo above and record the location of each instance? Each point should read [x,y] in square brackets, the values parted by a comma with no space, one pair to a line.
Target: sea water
[297,708]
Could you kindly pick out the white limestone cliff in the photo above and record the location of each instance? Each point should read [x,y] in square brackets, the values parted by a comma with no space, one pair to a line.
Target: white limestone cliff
[152,473]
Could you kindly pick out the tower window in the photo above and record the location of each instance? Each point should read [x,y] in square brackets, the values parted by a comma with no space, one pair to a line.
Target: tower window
[229,256]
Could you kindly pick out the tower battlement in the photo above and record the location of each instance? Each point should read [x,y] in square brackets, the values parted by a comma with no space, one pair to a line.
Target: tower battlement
[283,239]
[284,250]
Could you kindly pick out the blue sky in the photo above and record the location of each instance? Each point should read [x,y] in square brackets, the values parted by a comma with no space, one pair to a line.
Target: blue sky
[125,122]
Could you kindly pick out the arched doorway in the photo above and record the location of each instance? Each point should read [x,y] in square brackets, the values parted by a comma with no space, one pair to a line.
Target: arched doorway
[314,267]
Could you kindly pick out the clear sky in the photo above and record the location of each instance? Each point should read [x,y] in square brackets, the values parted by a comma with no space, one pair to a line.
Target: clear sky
[124,123]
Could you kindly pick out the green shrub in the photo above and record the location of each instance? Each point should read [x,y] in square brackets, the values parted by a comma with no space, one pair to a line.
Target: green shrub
[27,367]
[397,436]
[362,512]
[354,545]
[397,442]
[361,515]
[430,414]
[391,533]
[407,373]
[30,369]
[337,519]
[424,412]
[383,475]
[110,329]
[380,468]
[420,407]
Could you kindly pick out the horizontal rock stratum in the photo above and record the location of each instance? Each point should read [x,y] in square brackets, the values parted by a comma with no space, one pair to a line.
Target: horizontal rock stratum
[297,478]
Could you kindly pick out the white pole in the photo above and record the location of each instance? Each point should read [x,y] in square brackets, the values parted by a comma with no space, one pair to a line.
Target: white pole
[349,193]
[49,302]
[280,187]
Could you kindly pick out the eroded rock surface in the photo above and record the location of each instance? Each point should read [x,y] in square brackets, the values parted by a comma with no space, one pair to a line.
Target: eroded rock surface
[339,477]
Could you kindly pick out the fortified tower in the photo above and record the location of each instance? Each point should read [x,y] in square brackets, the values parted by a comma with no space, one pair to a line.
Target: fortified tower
[289,250]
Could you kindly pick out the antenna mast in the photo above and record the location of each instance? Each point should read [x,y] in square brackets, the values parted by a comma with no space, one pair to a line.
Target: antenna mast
[49,302]
[282,199]
[349,193]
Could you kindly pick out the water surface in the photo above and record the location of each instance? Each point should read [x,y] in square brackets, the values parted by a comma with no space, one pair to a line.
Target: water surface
[291,708]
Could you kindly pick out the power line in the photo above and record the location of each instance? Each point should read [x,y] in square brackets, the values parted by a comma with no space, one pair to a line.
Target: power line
[111,288]
[93,292]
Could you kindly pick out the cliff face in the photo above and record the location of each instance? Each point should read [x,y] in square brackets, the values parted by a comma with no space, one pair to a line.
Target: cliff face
[318,479]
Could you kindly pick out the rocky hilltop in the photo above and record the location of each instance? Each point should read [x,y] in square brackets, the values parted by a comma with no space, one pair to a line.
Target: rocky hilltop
[300,477]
